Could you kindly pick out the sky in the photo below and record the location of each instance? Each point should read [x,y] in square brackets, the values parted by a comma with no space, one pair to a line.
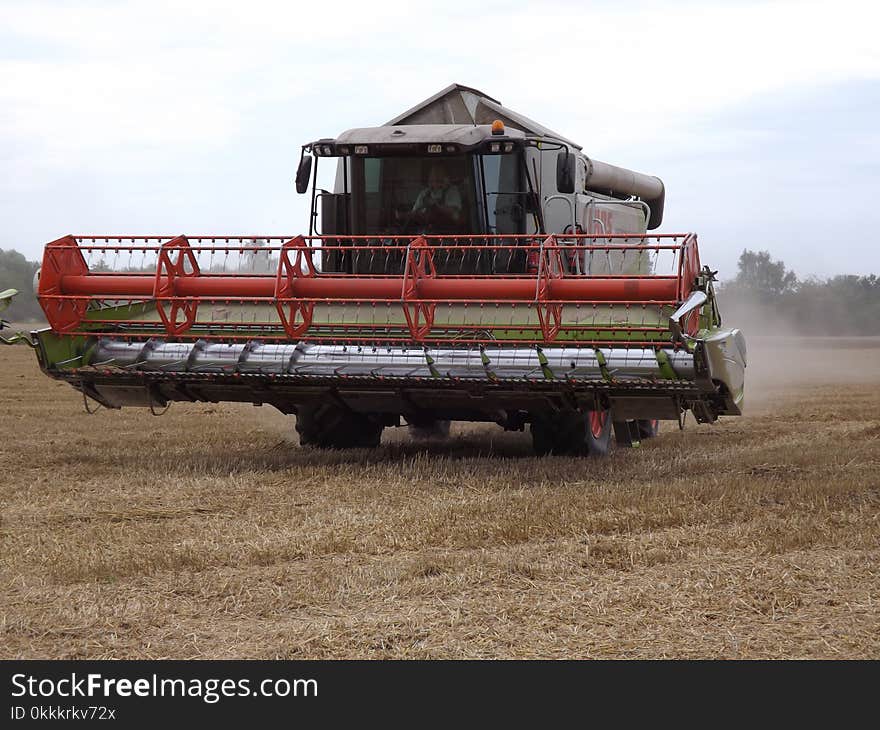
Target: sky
[763,119]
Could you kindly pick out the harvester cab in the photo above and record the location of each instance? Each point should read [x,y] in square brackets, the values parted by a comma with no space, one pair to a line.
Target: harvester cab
[468,264]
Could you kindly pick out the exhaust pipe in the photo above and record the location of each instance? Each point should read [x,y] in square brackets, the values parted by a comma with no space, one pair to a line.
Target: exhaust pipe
[617,181]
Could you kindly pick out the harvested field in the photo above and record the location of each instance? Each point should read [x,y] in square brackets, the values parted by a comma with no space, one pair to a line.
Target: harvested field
[208,533]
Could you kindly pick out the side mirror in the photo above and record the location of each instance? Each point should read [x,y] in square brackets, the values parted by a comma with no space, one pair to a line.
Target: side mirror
[565,172]
[302,173]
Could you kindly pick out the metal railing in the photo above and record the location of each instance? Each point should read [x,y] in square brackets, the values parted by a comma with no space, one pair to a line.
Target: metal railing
[367,289]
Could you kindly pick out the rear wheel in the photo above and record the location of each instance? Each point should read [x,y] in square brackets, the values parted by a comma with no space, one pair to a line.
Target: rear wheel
[328,426]
[572,433]
[648,427]
[428,430]
[632,433]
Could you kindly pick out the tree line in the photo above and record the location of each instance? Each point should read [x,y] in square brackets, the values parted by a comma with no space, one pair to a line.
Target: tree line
[765,296]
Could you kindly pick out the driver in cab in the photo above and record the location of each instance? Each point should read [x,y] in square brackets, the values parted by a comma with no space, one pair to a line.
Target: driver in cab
[438,204]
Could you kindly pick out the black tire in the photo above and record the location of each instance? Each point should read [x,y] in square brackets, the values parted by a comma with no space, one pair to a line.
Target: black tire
[332,427]
[598,428]
[573,433]
[429,430]
[542,436]
[626,434]
[648,428]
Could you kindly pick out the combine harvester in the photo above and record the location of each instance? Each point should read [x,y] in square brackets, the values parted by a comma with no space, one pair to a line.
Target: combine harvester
[470,264]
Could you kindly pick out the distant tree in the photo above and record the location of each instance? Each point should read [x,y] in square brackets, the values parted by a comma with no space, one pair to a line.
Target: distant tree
[765,297]
[763,276]
[842,305]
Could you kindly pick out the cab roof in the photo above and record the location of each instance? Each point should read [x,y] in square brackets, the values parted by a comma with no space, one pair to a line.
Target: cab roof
[464,105]
[459,134]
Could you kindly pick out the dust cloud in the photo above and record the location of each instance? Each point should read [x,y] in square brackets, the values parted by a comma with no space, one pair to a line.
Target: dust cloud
[782,362]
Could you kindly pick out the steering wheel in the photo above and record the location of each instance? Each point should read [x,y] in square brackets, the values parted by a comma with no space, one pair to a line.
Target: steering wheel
[413,220]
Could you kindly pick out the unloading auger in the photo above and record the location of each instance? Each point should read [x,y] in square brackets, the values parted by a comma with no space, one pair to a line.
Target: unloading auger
[471,265]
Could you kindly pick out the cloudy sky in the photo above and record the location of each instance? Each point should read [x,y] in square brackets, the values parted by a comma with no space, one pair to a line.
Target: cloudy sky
[126,116]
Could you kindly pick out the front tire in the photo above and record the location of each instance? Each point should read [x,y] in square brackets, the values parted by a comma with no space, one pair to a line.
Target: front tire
[328,426]
[648,427]
[598,433]
[542,436]
[573,433]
